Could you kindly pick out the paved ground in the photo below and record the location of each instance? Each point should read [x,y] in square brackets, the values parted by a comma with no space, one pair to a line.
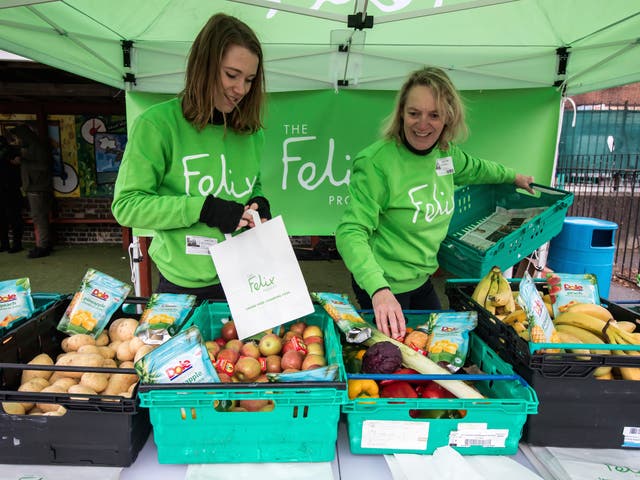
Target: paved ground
[62,271]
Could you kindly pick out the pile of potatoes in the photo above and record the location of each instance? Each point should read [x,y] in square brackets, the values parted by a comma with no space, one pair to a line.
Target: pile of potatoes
[117,348]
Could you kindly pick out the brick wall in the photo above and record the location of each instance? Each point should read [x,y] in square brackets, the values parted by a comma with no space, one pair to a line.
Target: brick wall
[76,210]
[614,96]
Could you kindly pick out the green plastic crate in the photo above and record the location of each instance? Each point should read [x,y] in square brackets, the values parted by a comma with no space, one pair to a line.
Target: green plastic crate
[475,203]
[303,426]
[384,425]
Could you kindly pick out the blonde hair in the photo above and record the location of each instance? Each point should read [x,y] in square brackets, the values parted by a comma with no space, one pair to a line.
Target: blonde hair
[448,102]
[203,75]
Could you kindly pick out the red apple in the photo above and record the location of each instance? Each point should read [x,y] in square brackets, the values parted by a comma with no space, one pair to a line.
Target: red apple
[212,347]
[313,339]
[228,354]
[234,344]
[270,344]
[228,331]
[315,349]
[253,405]
[292,359]
[273,363]
[247,369]
[250,349]
[313,361]
[268,407]
[312,331]
[220,341]
[289,335]
[224,378]
[298,328]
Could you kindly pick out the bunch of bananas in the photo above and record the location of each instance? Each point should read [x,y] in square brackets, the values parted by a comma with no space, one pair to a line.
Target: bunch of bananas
[594,324]
[493,293]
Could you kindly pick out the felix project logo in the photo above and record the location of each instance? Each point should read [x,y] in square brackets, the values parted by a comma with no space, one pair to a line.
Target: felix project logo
[259,282]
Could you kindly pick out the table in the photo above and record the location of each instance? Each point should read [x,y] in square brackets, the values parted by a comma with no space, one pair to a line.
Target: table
[345,466]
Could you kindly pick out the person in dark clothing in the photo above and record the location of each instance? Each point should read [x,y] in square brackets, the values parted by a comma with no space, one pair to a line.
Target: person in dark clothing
[10,198]
[36,165]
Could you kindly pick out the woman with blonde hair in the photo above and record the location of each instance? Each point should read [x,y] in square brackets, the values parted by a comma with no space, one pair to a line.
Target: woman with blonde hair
[401,199]
[191,167]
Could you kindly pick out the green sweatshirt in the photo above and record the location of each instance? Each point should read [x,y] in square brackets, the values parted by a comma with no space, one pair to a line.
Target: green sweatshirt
[167,170]
[400,207]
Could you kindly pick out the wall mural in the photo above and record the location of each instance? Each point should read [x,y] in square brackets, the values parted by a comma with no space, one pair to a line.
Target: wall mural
[99,140]
[81,167]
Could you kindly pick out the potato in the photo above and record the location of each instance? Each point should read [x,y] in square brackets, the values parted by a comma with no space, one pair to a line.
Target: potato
[42,359]
[124,352]
[122,329]
[120,382]
[50,407]
[58,412]
[81,389]
[95,381]
[136,344]
[74,342]
[102,340]
[106,352]
[13,408]
[76,359]
[56,376]
[89,349]
[127,364]
[65,382]
[109,363]
[33,385]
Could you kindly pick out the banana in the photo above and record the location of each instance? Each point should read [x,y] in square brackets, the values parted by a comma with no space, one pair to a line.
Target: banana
[516,316]
[629,373]
[503,296]
[584,335]
[603,373]
[566,337]
[581,320]
[479,294]
[628,327]
[592,309]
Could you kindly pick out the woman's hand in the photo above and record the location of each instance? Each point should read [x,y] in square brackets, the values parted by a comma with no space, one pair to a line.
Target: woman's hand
[247,218]
[388,312]
[524,181]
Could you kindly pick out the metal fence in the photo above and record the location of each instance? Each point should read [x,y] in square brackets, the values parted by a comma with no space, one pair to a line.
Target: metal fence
[607,187]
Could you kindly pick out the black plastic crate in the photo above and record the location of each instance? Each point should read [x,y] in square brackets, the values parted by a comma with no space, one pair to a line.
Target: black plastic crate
[576,410]
[97,430]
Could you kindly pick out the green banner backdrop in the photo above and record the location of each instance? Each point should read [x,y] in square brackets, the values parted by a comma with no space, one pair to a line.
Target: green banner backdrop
[312,137]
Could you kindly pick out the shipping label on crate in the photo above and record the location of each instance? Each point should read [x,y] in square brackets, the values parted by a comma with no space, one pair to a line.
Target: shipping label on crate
[631,437]
[394,435]
[478,435]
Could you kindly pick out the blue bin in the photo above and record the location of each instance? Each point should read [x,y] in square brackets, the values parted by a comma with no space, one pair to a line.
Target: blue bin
[585,245]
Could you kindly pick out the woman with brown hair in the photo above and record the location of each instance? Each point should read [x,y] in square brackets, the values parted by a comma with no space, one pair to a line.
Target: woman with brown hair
[191,168]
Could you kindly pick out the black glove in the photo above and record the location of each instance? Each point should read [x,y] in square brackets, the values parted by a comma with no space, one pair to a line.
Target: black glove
[264,209]
[222,214]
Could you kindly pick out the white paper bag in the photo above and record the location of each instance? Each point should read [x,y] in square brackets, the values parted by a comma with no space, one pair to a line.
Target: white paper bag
[261,278]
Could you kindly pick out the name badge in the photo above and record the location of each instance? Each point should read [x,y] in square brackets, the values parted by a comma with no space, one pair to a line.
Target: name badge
[444,166]
[196,245]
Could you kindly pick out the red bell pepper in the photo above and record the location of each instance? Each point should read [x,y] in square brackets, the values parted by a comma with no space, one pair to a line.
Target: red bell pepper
[431,389]
[398,389]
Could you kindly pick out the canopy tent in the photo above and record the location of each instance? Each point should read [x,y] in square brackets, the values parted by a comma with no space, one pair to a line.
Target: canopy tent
[141,45]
